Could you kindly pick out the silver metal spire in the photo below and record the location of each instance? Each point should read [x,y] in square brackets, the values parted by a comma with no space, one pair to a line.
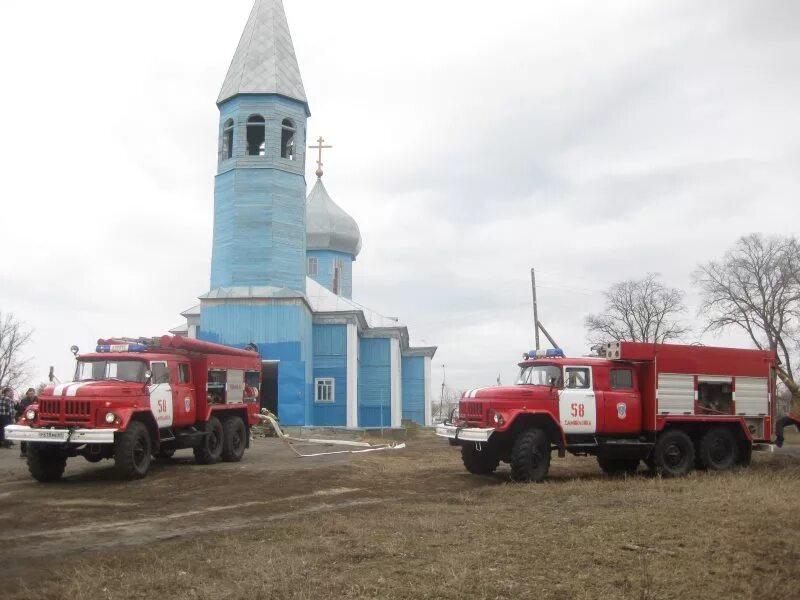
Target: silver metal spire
[264,62]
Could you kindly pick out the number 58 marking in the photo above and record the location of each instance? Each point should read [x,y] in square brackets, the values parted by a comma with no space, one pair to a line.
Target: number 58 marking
[578,410]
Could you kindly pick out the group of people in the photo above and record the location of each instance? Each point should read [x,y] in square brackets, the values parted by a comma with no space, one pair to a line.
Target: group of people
[11,410]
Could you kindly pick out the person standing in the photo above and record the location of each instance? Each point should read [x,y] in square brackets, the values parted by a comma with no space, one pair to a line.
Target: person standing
[28,399]
[6,414]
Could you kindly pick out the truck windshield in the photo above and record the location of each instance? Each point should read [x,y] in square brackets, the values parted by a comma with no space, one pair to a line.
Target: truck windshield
[548,375]
[119,370]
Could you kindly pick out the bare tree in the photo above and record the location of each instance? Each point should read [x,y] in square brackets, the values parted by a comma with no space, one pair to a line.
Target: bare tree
[13,338]
[449,401]
[755,287]
[639,310]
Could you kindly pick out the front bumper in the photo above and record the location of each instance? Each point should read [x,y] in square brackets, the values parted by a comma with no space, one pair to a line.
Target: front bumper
[465,434]
[23,433]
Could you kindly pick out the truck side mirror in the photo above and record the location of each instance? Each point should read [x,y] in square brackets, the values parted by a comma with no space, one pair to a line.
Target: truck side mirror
[148,375]
[52,374]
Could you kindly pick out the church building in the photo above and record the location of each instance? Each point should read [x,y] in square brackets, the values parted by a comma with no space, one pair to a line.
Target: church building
[282,264]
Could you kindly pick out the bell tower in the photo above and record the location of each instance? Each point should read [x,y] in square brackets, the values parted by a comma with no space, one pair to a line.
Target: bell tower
[259,191]
[258,261]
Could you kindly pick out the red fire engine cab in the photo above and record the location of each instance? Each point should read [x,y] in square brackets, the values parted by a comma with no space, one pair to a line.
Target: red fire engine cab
[134,399]
[674,407]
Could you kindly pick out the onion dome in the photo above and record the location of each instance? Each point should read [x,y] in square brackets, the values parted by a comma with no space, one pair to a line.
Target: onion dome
[328,227]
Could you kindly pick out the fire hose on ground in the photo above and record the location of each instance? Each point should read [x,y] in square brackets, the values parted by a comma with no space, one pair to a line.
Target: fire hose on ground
[267,417]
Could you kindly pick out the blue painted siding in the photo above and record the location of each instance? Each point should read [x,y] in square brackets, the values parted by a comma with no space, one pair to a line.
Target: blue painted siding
[330,360]
[374,383]
[413,369]
[259,201]
[325,263]
[283,331]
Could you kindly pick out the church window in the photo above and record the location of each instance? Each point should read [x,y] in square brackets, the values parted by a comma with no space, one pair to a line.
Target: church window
[227,140]
[287,139]
[313,266]
[338,266]
[324,389]
[256,136]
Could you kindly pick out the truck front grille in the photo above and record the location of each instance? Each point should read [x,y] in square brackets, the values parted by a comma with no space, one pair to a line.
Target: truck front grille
[471,411]
[70,411]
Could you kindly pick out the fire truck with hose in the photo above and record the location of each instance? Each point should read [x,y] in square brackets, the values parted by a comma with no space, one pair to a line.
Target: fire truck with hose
[674,407]
[132,399]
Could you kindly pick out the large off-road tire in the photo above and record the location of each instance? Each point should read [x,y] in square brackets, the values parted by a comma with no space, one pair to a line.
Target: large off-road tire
[45,463]
[618,466]
[719,449]
[210,449]
[234,439]
[530,456]
[132,451]
[674,453]
[479,462]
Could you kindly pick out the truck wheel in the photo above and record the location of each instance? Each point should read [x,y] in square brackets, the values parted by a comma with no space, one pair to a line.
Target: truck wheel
[132,451]
[479,462]
[45,464]
[674,453]
[235,439]
[618,466]
[719,449]
[210,449]
[530,456]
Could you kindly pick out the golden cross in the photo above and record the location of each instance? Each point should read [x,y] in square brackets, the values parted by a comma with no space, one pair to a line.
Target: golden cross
[320,145]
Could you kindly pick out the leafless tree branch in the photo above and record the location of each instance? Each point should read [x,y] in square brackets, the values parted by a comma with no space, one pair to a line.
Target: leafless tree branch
[639,310]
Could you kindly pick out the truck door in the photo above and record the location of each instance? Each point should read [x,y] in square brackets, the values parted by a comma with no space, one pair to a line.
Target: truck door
[622,404]
[161,403]
[183,400]
[577,408]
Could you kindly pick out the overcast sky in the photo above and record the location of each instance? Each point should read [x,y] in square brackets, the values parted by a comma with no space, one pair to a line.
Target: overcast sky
[595,141]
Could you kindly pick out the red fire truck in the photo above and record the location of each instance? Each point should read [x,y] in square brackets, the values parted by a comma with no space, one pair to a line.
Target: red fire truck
[134,399]
[674,407]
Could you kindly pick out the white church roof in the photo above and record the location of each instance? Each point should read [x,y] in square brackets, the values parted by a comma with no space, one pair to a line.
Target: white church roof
[323,300]
[328,227]
[265,62]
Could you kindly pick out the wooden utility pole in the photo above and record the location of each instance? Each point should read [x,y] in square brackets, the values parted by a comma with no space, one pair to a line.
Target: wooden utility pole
[535,308]
[441,398]
[537,325]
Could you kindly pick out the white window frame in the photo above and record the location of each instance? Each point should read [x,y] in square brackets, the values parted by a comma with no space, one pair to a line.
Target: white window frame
[325,381]
[312,260]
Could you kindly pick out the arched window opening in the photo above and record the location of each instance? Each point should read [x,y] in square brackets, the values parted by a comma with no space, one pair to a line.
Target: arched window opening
[227,140]
[336,286]
[256,136]
[287,139]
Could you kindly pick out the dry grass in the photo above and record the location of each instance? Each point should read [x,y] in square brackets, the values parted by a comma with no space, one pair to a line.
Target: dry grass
[432,531]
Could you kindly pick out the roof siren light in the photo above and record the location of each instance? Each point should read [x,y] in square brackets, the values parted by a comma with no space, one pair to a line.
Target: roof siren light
[121,348]
[549,353]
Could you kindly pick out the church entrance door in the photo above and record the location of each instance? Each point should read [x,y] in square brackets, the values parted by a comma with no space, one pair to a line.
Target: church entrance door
[269,385]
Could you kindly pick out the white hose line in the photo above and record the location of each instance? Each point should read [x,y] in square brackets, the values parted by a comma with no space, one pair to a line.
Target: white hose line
[364,446]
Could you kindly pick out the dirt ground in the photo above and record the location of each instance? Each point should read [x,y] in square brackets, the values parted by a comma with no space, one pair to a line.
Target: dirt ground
[398,524]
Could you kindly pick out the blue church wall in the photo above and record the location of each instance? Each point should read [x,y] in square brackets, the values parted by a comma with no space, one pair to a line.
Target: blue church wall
[259,229]
[374,383]
[413,370]
[282,331]
[325,264]
[259,201]
[330,360]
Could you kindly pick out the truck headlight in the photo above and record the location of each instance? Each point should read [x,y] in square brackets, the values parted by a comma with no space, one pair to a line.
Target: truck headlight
[30,414]
[497,418]
[110,417]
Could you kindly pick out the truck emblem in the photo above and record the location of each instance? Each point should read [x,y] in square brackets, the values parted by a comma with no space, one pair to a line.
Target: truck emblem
[622,410]
[187,404]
